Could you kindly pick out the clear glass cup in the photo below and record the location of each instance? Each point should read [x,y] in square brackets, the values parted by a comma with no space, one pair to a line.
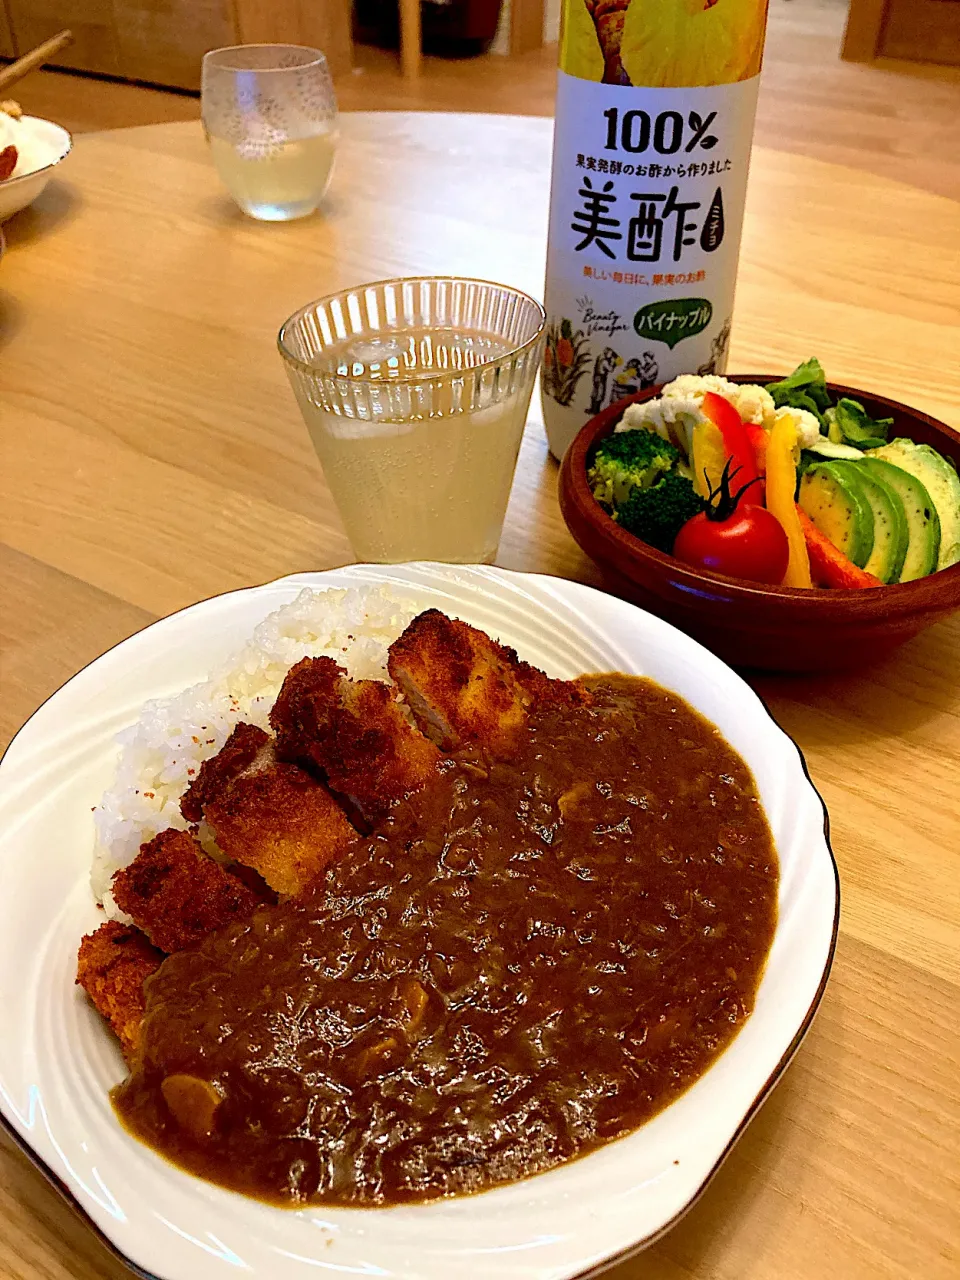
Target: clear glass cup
[415,393]
[270,116]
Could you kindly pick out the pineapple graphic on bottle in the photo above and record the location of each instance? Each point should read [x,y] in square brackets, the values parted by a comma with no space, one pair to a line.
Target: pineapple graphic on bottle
[654,121]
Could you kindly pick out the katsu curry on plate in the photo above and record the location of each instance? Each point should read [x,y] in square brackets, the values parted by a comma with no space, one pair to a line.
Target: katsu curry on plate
[409,884]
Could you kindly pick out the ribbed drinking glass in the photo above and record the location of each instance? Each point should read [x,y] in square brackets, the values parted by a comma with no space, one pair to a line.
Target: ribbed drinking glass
[415,393]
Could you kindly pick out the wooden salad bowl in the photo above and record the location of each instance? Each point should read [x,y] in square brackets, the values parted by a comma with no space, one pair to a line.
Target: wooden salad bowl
[749,625]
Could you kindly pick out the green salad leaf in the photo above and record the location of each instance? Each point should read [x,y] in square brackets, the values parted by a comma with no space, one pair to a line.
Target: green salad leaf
[805,388]
[849,423]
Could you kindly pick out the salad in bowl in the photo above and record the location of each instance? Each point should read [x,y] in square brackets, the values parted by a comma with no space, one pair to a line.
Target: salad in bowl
[782,484]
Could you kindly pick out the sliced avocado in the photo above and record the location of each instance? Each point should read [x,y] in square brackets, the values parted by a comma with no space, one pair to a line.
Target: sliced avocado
[940,481]
[890,533]
[833,449]
[923,522]
[839,508]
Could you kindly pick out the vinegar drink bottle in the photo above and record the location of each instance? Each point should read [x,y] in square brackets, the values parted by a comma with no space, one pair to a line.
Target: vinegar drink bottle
[654,121]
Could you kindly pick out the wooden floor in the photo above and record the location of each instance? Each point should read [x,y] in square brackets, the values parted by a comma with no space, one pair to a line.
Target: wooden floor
[899,121]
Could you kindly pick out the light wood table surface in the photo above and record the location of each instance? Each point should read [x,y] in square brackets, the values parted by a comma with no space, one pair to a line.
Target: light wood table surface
[152,455]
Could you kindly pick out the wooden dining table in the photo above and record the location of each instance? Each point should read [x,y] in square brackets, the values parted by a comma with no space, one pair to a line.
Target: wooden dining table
[152,454]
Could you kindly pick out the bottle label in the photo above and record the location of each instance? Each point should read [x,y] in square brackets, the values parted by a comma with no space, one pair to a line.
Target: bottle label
[651,153]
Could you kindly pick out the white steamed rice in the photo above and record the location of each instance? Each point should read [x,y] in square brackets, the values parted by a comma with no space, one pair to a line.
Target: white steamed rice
[162,752]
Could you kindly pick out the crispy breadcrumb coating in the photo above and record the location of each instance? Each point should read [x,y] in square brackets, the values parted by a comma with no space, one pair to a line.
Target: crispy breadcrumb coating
[283,823]
[354,733]
[463,687]
[277,822]
[177,895]
[112,965]
[302,716]
[237,754]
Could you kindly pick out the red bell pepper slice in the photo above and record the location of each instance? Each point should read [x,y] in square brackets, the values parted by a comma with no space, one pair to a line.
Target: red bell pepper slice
[736,442]
[829,567]
[759,438]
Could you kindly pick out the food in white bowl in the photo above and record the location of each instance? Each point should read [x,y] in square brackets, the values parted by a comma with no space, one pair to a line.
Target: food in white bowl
[22,150]
[30,148]
[558,1224]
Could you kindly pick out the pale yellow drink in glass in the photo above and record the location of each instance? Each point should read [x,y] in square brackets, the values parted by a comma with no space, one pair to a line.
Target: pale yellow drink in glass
[280,182]
[415,393]
[270,116]
[427,487]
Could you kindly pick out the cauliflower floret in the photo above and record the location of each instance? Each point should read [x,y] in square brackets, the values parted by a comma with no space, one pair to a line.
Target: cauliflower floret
[808,428]
[755,404]
[752,402]
[671,417]
[698,384]
[675,413]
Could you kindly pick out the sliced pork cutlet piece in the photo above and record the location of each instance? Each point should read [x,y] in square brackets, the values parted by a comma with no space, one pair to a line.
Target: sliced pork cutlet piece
[355,733]
[378,757]
[464,687]
[303,715]
[282,822]
[240,752]
[112,965]
[268,816]
[177,895]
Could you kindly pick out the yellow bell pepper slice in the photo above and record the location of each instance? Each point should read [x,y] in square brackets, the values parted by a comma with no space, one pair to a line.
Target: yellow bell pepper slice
[783,455]
[709,457]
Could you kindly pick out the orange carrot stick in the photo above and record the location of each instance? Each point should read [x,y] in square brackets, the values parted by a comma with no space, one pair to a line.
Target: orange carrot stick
[829,567]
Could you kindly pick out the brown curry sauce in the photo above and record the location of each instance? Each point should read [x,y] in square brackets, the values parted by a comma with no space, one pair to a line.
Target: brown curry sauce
[532,959]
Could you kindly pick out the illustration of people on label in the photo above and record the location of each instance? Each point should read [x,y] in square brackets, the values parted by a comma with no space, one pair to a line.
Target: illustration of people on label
[718,352]
[603,366]
[566,356]
[636,375]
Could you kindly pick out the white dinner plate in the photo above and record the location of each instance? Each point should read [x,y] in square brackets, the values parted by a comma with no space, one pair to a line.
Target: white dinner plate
[58,1062]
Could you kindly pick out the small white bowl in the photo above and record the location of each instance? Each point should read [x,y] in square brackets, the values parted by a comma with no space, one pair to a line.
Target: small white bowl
[17,193]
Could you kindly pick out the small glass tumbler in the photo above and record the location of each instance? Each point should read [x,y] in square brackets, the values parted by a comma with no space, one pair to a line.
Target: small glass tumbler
[415,394]
[270,116]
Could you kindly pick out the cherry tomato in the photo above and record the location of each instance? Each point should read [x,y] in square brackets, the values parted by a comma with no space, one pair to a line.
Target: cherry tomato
[750,543]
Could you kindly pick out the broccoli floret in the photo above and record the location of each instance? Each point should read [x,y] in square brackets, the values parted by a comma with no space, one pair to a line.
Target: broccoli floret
[656,515]
[634,475]
[628,461]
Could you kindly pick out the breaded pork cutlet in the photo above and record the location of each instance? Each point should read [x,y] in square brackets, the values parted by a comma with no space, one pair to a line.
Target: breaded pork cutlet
[302,716]
[283,823]
[239,753]
[463,687]
[177,895]
[266,814]
[354,733]
[112,965]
